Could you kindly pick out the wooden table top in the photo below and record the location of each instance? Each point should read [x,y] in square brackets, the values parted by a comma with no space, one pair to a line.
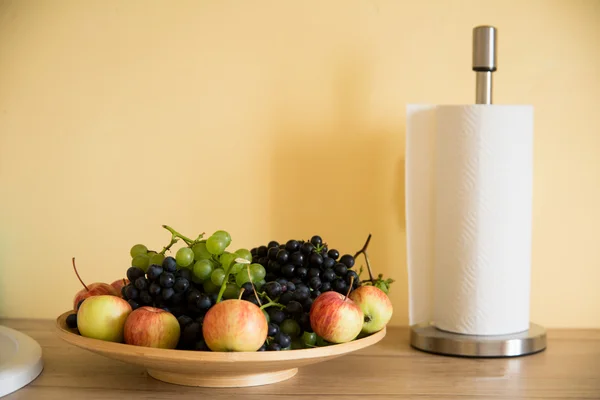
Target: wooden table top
[568,369]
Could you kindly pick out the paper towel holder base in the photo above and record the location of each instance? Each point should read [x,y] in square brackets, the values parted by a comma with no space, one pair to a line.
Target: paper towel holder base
[428,338]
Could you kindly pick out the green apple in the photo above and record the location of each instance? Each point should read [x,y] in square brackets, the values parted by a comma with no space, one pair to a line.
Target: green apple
[103,317]
[375,305]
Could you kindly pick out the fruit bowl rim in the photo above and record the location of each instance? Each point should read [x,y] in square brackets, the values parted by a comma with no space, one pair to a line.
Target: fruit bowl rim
[71,336]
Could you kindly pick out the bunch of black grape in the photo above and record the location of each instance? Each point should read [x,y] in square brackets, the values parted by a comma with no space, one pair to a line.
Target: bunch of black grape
[172,289]
[297,273]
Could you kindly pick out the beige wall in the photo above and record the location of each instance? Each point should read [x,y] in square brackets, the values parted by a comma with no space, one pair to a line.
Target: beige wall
[273,119]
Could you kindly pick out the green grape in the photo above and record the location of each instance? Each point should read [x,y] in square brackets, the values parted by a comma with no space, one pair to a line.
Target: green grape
[244,253]
[202,269]
[196,279]
[226,259]
[184,257]
[137,250]
[224,234]
[266,314]
[200,251]
[258,285]
[218,276]
[141,261]
[232,291]
[322,342]
[297,344]
[309,338]
[242,277]
[290,327]
[216,245]
[257,272]
[209,287]
[236,268]
[156,259]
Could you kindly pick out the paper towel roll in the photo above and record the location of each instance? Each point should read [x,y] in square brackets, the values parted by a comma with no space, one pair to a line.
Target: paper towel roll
[469,175]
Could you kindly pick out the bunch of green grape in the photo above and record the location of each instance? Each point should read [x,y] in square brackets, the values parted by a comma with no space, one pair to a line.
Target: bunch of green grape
[212,265]
[142,258]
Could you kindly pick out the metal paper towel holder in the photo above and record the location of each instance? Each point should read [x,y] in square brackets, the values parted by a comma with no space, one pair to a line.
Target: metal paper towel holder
[426,336]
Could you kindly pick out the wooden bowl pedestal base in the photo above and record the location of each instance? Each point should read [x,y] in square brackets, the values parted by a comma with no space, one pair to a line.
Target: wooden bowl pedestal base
[223,381]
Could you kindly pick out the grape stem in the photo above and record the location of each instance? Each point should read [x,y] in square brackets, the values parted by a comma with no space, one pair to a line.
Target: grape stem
[363,251]
[272,303]
[78,277]
[167,247]
[186,239]
[224,284]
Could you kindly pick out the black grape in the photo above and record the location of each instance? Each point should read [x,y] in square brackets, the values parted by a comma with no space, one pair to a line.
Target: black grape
[286,298]
[169,264]
[339,286]
[154,271]
[328,262]
[301,272]
[316,260]
[348,260]
[341,269]
[276,316]
[133,273]
[296,258]
[328,275]
[131,292]
[181,285]
[167,280]
[288,270]
[333,253]
[292,246]
[154,289]
[141,283]
[72,321]
[134,304]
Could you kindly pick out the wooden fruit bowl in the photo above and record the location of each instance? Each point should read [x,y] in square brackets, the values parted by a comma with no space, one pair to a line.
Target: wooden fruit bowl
[214,369]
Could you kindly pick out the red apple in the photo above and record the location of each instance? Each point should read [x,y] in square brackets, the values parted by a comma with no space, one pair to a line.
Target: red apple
[375,305]
[103,317]
[335,317]
[119,284]
[152,327]
[234,325]
[94,289]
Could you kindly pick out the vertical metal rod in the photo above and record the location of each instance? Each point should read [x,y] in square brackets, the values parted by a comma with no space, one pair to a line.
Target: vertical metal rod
[484,61]
[483,87]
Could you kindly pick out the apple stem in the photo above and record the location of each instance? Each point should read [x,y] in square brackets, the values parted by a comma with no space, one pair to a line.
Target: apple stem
[124,282]
[78,277]
[364,252]
[252,283]
[350,288]
[241,293]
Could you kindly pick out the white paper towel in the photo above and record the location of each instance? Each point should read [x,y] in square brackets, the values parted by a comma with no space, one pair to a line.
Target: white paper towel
[469,172]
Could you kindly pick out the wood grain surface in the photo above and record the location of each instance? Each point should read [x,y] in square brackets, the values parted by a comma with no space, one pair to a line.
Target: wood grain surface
[568,369]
